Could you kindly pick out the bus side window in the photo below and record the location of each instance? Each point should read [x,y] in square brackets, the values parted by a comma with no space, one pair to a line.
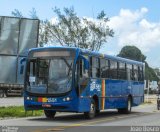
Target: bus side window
[135,72]
[122,71]
[83,70]
[95,67]
[140,73]
[129,72]
[113,69]
[104,64]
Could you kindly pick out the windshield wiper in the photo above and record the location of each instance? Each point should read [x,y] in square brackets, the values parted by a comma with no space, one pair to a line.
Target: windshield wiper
[69,69]
[66,62]
[69,65]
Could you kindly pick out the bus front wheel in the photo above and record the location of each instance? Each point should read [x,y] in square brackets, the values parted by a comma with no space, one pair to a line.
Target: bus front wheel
[92,113]
[49,113]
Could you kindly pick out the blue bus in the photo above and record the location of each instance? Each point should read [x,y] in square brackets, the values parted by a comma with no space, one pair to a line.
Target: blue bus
[62,79]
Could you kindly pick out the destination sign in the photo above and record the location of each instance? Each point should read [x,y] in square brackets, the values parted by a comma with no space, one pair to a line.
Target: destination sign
[51,53]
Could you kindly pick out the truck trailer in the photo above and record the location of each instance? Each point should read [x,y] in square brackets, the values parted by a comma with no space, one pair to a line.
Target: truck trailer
[17,36]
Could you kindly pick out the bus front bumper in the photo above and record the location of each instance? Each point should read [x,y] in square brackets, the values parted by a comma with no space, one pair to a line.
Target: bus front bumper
[57,104]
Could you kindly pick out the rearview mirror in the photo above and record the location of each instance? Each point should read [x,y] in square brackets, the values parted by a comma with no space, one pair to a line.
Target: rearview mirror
[21,69]
[22,65]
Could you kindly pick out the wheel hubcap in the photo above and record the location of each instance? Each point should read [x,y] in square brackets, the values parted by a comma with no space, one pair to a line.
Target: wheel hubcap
[92,108]
[129,105]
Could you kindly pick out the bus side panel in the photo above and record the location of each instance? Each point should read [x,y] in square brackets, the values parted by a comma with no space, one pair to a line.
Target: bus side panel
[135,93]
[84,104]
[109,102]
[138,93]
[125,91]
[114,98]
[142,91]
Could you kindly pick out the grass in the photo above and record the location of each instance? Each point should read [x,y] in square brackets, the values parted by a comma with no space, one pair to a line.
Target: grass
[17,111]
[148,102]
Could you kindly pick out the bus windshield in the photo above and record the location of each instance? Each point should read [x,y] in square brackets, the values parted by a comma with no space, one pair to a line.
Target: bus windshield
[49,76]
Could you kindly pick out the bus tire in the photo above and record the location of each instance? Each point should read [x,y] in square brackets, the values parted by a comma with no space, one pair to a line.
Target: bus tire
[121,110]
[128,109]
[49,113]
[92,113]
[97,112]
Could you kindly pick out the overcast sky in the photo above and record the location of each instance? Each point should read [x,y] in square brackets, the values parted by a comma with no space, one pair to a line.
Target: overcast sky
[135,22]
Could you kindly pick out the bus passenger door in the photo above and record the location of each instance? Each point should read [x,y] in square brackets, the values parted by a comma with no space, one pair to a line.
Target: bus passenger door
[83,83]
[83,76]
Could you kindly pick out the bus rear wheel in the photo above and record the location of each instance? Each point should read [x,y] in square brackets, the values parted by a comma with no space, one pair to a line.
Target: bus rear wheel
[92,113]
[128,109]
[49,113]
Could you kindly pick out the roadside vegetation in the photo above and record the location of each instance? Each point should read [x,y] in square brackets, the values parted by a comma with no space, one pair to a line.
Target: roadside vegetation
[68,29]
[134,53]
[17,111]
[152,99]
[148,102]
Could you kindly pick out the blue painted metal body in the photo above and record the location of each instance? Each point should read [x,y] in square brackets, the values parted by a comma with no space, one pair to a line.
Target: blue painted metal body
[116,91]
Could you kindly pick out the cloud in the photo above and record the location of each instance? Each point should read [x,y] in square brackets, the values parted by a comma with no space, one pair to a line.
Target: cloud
[131,28]
[54,20]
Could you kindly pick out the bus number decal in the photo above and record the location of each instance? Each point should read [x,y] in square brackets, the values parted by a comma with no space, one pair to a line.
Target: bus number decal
[52,100]
[95,86]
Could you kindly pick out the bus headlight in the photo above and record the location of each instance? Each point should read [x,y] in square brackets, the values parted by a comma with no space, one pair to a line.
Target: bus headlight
[66,99]
[29,98]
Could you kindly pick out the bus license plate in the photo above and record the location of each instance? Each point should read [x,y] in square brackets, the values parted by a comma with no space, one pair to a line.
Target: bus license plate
[46,105]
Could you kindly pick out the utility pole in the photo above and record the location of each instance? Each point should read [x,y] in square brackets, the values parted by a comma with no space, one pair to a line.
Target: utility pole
[148,86]
[159,87]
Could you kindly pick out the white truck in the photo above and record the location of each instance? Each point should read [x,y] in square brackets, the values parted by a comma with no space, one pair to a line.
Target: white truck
[17,35]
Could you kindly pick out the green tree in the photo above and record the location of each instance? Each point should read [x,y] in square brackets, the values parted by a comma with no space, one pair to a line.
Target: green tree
[44,33]
[149,73]
[132,52]
[72,30]
[16,13]
[33,13]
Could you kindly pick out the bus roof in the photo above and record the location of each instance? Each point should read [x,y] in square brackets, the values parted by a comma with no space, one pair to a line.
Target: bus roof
[111,57]
[92,53]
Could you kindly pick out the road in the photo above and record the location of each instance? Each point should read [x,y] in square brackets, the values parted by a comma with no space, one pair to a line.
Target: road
[143,115]
[11,101]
